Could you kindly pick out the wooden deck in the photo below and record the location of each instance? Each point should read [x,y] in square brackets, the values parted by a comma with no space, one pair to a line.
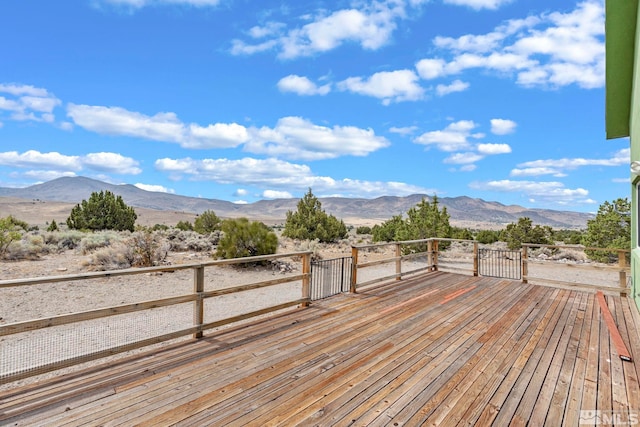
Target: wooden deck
[441,349]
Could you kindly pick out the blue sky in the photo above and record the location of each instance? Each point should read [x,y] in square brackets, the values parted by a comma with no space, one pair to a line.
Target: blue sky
[245,100]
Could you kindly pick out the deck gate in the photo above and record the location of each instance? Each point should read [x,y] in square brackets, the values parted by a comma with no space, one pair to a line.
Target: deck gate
[500,263]
[330,277]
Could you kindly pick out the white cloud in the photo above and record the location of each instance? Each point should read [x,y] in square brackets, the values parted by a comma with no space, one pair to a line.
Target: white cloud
[406,130]
[292,137]
[502,126]
[111,162]
[274,194]
[539,171]
[558,167]
[390,86]
[160,127]
[453,138]
[430,68]
[33,158]
[549,50]
[492,149]
[619,158]
[279,175]
[463,158]
[455,86]
[46,175]
[479,4]
[298,138]
[550,191]
[138,4]
[370,25]
[302,86]
[155,188]
[28,103]
[103,162]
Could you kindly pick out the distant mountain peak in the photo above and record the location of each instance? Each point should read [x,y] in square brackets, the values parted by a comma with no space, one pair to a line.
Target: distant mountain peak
[461,209]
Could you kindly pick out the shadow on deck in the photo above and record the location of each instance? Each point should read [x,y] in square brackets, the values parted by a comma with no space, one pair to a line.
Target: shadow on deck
[438,349]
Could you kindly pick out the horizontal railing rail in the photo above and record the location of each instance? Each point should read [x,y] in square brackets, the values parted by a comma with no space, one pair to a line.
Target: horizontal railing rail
[79,339]
[597,281]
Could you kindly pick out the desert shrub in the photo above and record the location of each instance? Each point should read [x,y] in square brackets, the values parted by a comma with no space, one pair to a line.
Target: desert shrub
[515,234]
[115,257]
[9,233]
[311,222]
[92,241]
[148,249]
[611,228]
[243,238]
[181,241]
[569,255]
[103,211]
[159,227]
[184,226]
[29,247]
[363,230]
[64,240]
[207,222]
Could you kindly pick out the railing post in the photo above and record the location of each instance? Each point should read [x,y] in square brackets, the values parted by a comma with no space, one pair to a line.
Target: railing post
[435,255]
[430,254]
[198,304]
[306,280]
[622,263]
[525,264]
[354,269]
[475,259]
[398,262]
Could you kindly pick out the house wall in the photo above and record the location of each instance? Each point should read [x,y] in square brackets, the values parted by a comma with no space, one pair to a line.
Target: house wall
[634,131]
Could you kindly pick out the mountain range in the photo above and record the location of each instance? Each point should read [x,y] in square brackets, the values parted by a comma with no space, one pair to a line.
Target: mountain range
[463,211]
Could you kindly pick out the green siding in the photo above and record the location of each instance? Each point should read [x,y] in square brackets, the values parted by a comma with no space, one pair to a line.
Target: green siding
[620,26]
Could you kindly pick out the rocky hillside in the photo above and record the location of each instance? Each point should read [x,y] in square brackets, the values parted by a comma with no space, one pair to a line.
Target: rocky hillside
[463,210]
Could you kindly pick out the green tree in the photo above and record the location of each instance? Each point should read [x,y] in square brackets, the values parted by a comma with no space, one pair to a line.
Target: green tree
[461,233]
[388,230]
[515,234]
[9,232]
[487,236]
[207,222]
[184,226]
[243,238]
[425,220]
[103,211]
[53,226]
[363,229]
[311,222]
[611,228]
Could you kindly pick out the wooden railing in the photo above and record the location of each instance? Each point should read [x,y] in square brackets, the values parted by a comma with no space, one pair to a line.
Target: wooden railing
[599,272]
[433,260]
[197,298]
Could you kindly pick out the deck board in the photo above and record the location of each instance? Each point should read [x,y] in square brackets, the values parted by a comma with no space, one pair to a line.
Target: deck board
[439,349]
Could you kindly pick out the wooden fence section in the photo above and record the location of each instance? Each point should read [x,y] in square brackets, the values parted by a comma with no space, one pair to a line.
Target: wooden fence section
[28,344]
[603,277]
